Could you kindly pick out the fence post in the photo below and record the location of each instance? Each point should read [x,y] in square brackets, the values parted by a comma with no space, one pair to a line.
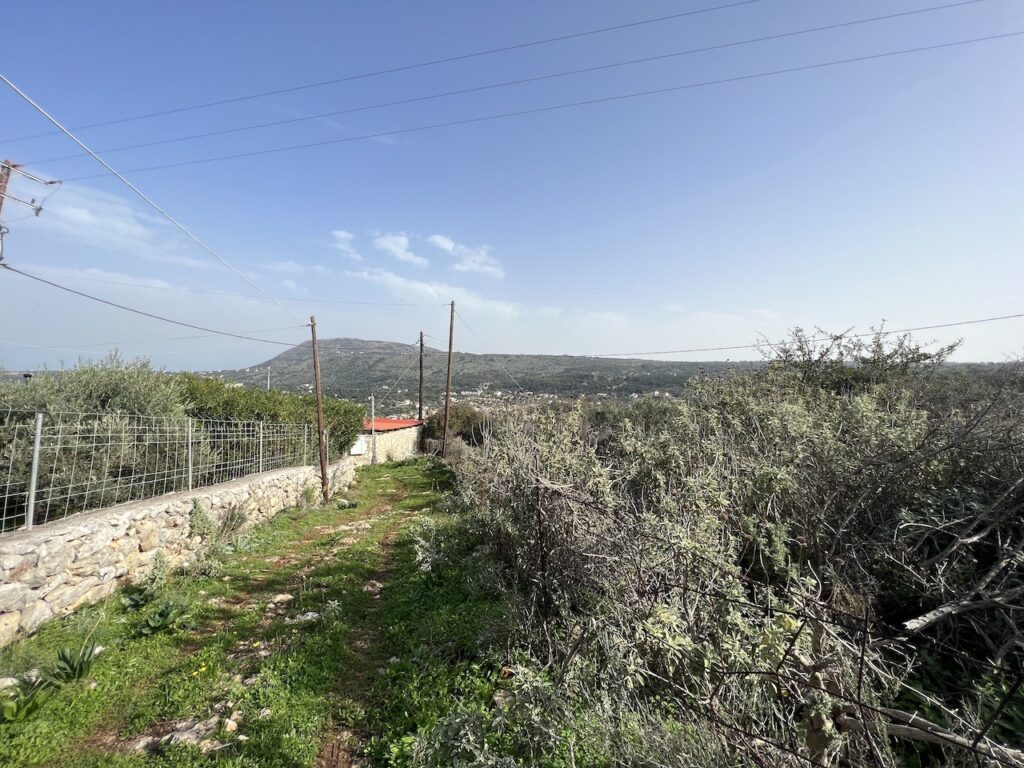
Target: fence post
[327,444]
[305,443]
[189,453]
[30,511]
[261,448]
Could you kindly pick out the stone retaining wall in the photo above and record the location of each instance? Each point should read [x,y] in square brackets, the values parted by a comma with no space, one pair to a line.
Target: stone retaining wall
[394,445]
[52,570]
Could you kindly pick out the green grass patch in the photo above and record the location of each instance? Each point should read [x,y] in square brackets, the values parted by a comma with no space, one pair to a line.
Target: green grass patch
[235,650]
[433,626]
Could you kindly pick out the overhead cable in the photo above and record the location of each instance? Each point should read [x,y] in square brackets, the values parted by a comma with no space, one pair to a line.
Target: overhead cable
[9,268]
[769,344]
[508,83]
[402,68]
[563,105]
[138,191]
[483,346]
[296,299]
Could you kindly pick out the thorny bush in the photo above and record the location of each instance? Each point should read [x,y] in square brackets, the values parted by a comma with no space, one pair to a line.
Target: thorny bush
[782,567]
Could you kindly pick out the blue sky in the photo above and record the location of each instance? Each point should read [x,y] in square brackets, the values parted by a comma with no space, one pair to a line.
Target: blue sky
[837,197]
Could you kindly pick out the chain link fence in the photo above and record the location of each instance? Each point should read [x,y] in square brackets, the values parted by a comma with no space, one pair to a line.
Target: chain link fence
[57,465]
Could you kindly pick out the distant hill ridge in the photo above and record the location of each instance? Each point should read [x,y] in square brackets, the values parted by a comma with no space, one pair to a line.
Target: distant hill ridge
[355,368]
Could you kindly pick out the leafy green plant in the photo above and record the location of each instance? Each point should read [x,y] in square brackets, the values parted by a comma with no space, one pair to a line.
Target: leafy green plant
[157,578]
[72,664]
[22,700]
[231,524]
[135,599]
[167,616]
[200,524]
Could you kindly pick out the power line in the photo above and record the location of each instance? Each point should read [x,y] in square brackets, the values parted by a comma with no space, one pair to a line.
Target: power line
[497,359]
[508,83]
[9,268]
[138,191]
[16,168]
[192,337]
[94,352]
[403,68]
[564,105]
[388,391]
[296,299]
[763,344]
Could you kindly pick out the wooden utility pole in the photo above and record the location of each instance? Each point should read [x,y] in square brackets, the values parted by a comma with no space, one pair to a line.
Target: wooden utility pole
[321,437]
[448,386]
[5,175]
[373,430]
[420,417]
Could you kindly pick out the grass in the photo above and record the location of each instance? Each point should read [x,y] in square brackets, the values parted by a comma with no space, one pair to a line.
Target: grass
[436,625]
[294,685]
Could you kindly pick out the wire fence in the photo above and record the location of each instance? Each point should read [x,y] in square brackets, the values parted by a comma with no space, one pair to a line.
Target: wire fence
[56,465]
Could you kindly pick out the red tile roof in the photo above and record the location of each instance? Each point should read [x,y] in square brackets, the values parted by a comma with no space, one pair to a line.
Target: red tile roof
[389,425]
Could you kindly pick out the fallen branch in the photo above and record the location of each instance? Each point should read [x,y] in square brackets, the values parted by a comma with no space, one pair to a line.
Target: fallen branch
[963,605]
[912,727]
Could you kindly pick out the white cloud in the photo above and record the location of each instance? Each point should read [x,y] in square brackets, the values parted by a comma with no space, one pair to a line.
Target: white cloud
[470,259]
[111,223]
[291,285]
[343,242]
[436,292]
[94,275]
[397,244]
[444,243]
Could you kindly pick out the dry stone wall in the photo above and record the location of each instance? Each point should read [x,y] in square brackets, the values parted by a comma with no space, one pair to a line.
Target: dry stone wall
[52,570]
[398,444]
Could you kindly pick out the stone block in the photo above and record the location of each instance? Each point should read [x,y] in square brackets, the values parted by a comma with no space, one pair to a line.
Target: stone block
[9,623]
[35,614]
[53,582]
[73,533]
[140,560]
[148,535]
[18,547]
[95,542]
[55,556]
[94,595]
[68,596]
[15,564]
[13,596]
[98,560]
[34,577]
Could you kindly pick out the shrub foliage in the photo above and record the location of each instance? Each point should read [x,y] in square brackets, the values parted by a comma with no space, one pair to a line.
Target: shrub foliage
[796,565]
[114,393]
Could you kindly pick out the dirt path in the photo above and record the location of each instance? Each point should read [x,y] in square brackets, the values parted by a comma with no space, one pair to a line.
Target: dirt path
[342,746]
[275,663]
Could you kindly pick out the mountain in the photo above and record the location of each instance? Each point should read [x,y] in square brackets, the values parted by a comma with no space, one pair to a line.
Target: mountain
[354,368]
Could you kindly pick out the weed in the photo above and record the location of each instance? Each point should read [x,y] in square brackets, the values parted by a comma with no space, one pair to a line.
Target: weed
[135,599]
[309,497]
[72,664]
[156,580]
[22,700]
[167,616]
[200,524]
